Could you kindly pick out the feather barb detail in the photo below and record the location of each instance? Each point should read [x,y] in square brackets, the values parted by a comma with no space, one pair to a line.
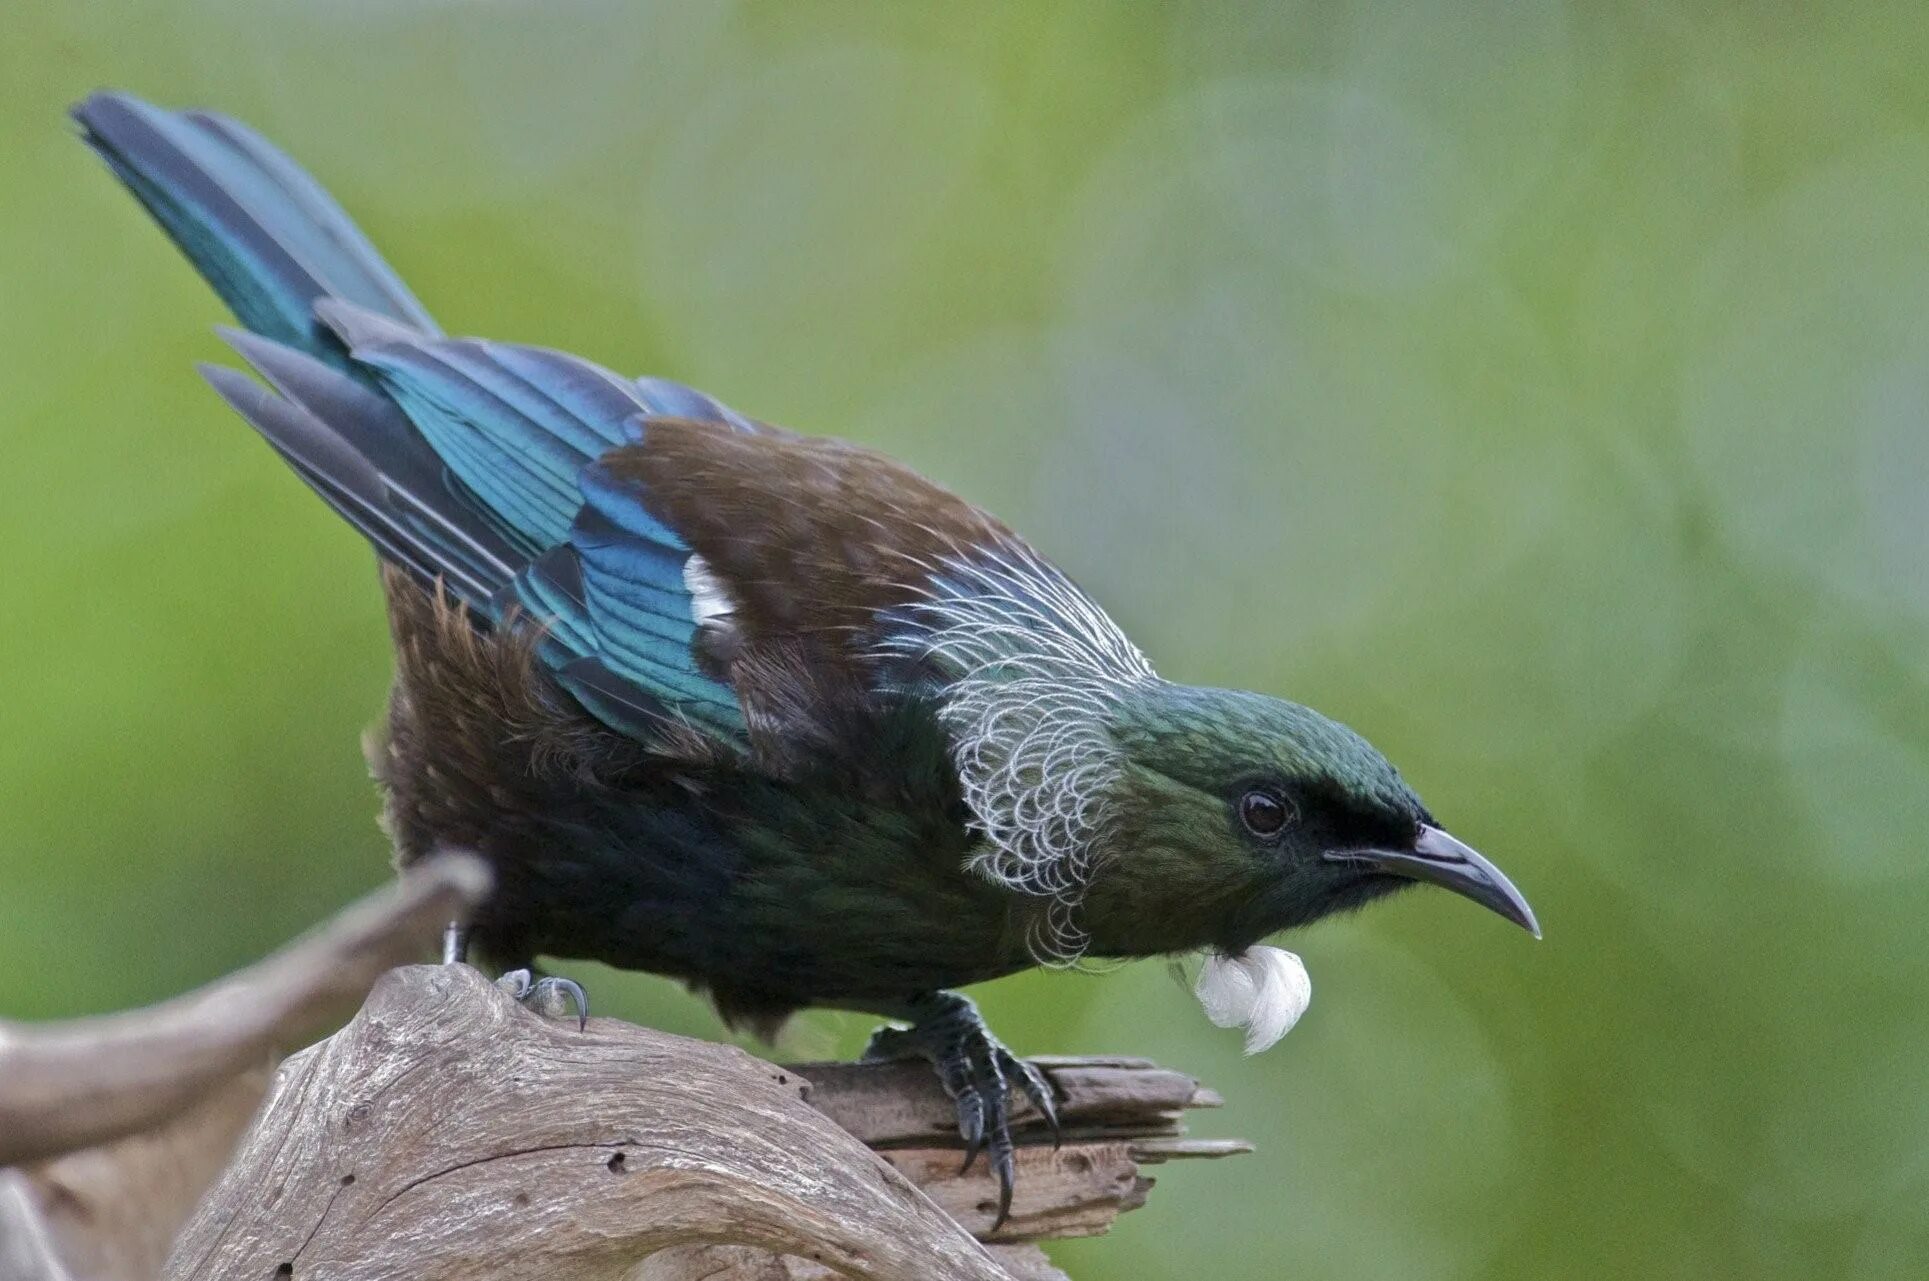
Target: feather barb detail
[1032,670]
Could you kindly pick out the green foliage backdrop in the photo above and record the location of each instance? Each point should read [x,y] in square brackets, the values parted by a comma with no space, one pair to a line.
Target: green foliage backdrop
[1540,388]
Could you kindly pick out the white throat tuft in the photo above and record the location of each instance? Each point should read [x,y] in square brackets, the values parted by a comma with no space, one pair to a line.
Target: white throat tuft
[1263,989]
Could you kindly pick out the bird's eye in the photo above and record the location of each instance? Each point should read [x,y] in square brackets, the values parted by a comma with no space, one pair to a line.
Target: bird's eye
[1265,813]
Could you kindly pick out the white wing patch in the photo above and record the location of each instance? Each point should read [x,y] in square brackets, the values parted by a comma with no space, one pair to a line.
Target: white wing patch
[709,601]
[1036,668]
[1263,989]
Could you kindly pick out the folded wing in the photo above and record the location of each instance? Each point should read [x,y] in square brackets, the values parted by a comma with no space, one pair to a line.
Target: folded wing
[686,563]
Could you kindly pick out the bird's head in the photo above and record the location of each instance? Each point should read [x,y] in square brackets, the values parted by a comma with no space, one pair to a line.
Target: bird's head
[1235,815]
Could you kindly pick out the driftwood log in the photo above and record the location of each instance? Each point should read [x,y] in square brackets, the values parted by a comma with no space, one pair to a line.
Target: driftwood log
[447,1131]
[112,1127]
[88,1081]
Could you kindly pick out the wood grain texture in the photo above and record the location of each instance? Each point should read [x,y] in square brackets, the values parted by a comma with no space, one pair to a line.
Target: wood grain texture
[110,1213]
[901,1104]
[1115,1114]
[84,1082]
[741,1263]
[449,1132]
[112,1127]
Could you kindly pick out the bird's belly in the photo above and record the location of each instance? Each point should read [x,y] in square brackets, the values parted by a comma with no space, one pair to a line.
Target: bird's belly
[802,900]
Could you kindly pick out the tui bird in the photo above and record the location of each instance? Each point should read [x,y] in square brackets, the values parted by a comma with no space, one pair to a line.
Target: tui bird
[764,712]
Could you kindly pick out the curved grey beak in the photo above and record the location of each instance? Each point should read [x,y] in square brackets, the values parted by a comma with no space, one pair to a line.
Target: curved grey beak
[1439,859]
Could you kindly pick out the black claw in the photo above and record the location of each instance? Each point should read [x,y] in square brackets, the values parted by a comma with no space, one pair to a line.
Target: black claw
[1039,1091]
[1004,1167]
[979,1075]
[518,984]
[1007,1176]
[571,989]
[971,1123]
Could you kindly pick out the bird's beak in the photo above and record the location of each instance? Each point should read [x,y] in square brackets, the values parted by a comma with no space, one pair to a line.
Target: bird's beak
[1439,859]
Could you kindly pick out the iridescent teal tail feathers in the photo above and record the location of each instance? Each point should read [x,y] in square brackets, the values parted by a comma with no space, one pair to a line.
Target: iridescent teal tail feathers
[267,237]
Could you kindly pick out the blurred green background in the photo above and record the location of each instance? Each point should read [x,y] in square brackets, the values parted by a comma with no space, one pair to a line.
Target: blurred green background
[1539,387]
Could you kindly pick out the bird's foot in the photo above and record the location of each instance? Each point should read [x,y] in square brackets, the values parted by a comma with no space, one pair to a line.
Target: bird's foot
[550,996]
[977,1071]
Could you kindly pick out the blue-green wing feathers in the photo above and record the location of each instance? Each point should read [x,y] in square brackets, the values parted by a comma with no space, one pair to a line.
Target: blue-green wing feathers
[465,462]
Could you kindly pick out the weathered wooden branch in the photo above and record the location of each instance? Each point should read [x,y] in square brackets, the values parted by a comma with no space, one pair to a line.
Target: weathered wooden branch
[1115,1115]
[87,1081]
[114,1126]
[111,1213]
[449,1132]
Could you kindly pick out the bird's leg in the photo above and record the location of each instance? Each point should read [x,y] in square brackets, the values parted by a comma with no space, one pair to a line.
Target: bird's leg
[976,1070]
[550,996]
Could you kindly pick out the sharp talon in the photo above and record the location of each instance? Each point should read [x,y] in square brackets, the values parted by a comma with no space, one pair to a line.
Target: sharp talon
[539,994]
[971,1125]
[573,990]
[1006,1177]
[1003,1167]
[978,1074]
[1039,1091]
[971,1115]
